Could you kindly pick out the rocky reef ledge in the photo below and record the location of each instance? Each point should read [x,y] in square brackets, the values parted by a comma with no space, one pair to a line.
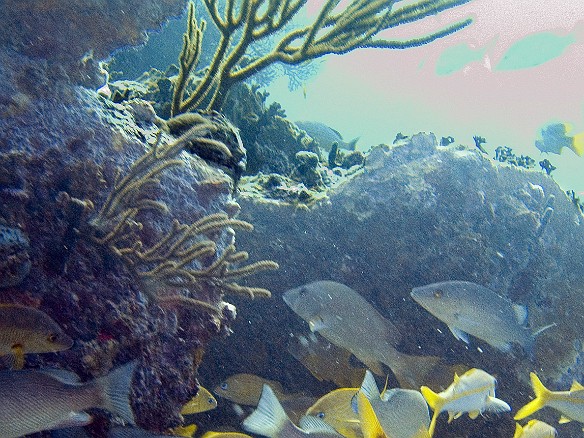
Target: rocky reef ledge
[419,213]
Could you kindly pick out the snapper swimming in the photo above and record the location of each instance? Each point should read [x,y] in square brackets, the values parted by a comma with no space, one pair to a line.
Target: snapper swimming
[347,320]
[469,308]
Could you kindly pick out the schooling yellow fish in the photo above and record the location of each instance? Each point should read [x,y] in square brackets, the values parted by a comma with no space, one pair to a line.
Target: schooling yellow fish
[246,389]
[569,403]
[473,392]
[212,434]
[202,402]
[25,330]
[535,429]
[335,409]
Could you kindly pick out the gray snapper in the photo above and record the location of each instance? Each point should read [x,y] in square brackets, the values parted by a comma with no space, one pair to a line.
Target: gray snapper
[469,308]
[36,400]
[325,136]
[347,320]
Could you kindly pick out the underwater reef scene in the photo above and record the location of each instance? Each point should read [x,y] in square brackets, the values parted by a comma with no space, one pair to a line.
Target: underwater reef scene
[179,258]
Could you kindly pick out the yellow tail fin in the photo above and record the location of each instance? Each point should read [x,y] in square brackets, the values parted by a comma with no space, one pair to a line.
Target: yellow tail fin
[518,431]
[578,144]
[431,397]
[541,398]
[369,423]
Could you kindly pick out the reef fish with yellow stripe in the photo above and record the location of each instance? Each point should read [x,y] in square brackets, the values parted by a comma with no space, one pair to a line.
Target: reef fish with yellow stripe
[569,403]
[473,393]
[202,402]
[335,408]
[557,135]
[535,429]
[25,330]
[246,389]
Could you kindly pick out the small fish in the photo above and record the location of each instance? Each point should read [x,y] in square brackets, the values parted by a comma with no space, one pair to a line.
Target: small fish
[468,308]
[370,425]
[36,400]
[270,420]
[25,330]
[212,434]
[402,413]
[346,319]
[246,389]
[555,136]
[326,361]
[202,402]
[335,409]
[473,392]
[535,429]
[569,403]
[325,136]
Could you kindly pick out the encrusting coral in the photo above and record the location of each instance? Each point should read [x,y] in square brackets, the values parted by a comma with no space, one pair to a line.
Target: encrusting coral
[354,26]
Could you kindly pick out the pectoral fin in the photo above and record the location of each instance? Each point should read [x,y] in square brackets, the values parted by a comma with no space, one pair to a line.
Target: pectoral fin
[459,334]
[17,357]
[564,420]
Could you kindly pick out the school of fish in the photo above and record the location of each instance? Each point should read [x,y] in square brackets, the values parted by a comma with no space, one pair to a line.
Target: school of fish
[342,324]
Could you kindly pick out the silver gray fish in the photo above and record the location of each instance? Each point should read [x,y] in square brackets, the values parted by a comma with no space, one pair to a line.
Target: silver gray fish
[402,413]
[347,320]
[469,308]
[36,400]
[269,419]
[325,136]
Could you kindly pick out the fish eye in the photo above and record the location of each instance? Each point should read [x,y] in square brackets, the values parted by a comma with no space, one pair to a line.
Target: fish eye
[51,337]
[320,415]
[224,386]
[438,293]
[210,400]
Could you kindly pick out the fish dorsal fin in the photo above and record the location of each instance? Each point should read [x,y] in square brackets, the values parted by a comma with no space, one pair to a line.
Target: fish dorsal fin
[316,324]
[384,387]
[564,420]
[456,377]
[576,386]
[311,424]
[269,418]
[63,376]
[459,334]
[369,387]
[521,313]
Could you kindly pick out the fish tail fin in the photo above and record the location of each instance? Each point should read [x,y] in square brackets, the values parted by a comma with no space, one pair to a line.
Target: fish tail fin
[433,399]
[411,371]
[115,390]
[352,145]
[432,427]
[578,144]
[369,422]
[542,395]
[269,418]
[518,431]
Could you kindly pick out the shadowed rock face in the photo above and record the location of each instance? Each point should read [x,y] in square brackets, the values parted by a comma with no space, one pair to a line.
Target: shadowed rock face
[60,146]
[73,34]
[420,213]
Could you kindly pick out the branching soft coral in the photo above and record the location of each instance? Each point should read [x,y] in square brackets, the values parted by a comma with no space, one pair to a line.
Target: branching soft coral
[357,25]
